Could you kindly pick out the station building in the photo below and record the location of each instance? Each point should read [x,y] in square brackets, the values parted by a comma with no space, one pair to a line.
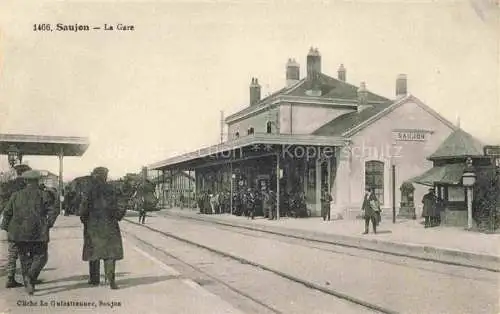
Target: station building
[320,131]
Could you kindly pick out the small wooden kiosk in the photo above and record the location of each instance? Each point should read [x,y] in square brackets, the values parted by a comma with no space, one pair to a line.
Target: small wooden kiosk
[449,164]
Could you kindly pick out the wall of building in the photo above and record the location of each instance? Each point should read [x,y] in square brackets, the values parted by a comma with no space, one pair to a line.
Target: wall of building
[258,122]
[377,142]
[306,118]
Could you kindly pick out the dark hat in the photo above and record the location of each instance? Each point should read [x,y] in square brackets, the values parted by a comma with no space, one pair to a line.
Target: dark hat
[31,175]
[100,171]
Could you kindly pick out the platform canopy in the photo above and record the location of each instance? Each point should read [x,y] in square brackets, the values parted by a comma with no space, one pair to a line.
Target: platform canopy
[251,143]
[41,145]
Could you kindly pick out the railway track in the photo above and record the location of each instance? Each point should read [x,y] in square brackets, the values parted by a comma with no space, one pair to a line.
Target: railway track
[400,260]
[245,279]
[278,235]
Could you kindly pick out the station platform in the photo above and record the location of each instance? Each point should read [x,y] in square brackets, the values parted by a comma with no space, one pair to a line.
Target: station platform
[146,284]
[405,237]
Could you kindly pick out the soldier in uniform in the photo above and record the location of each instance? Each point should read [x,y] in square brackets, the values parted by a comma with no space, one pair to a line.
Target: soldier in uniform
[7,190]
[100,215]
[250,203]
[27,219]
[326,198]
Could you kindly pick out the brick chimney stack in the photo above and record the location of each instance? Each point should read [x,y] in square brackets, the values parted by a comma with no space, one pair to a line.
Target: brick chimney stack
[292,72]
[313,64]
[362,97]
[254,92]
[341,73]
[401,85]
[313,72]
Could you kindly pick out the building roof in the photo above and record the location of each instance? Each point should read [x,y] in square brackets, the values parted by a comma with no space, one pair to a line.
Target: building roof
[332,90]
[44,145]
[353,122]
[345,122]
[447,174]
[459,144]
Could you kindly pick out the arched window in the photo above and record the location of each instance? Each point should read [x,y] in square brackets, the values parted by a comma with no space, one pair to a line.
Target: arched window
[374,178]
[269,127]
[250,131]
[237,134]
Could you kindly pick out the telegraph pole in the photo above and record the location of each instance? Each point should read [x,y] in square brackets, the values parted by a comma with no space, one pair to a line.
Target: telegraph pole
[221,126]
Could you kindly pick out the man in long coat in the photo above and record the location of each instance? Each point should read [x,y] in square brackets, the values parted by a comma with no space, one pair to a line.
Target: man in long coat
[369,213]
[429,200]
[27,219]
[100,215]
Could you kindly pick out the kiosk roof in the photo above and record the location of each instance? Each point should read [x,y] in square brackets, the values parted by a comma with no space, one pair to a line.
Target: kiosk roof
[42,145]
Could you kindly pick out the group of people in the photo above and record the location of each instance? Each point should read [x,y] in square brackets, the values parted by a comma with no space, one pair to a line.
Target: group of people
[250,202]
[30,213]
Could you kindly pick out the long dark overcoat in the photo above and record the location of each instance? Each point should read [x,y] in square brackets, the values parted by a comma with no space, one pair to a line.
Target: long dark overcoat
[28,216]
[368,211]
[430,208]
[100,215]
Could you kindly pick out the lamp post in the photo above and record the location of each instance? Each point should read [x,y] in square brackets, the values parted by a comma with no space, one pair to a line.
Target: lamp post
[468,180]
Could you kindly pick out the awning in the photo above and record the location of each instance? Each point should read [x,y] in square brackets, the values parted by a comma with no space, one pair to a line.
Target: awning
[251,142]
[44,145]
[448,174]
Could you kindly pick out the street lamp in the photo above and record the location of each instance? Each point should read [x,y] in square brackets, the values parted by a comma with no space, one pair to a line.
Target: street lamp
[12,155]
[468,180]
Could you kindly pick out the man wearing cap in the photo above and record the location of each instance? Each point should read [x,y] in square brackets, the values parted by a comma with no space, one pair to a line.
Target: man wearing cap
[100,214]
[27,219]
[8,189]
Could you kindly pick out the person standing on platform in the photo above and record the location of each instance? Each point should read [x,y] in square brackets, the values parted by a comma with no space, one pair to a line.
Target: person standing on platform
[100,215]
[27,219]
[326,199]
[250,203]
[429,201]
[368,212]
[142,209]
[9,188]
[49,198]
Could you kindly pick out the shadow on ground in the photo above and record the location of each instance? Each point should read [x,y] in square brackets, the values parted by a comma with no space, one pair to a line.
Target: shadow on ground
[123,284]
[81,278]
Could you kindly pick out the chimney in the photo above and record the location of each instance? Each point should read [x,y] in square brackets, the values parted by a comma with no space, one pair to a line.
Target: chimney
[362,97]
[254,92]
[401,85]
[313,72]
[144,173]
[313,64]
[341,73]
[292,72]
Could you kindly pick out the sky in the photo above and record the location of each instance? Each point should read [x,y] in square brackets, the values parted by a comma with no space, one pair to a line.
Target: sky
[144,95]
